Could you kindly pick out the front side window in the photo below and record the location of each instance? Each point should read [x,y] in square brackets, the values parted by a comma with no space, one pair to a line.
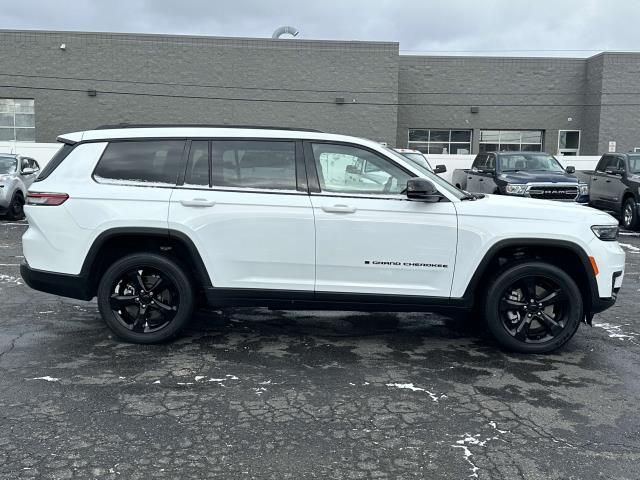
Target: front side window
[154,162]
[260,164]
[346,169]
[8,165]
[17,120]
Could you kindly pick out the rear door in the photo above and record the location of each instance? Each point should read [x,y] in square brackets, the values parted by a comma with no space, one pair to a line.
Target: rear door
[475,174]
[598,189]
[245,205]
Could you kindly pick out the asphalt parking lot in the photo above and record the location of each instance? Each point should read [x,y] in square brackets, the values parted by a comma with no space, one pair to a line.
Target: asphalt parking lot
[263,394]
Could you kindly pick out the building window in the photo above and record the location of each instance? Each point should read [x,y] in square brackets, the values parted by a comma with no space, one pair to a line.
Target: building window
[511,140]
[440,141]
[17,120]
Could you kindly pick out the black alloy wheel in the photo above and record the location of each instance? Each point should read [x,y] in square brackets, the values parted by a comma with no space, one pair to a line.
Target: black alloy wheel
[146,298]
[533,307]
[16,208]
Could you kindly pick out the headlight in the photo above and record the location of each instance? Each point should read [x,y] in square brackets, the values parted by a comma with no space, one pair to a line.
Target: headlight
[584,189]
[516,189]
[606,233]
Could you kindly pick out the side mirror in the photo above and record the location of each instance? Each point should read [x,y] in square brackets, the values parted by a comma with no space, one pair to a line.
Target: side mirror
[28,171]
[422,189]
[440,169]
[570,169]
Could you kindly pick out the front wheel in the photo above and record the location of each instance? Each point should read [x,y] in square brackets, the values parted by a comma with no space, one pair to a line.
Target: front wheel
[146,298]
[533,307]
[630,214]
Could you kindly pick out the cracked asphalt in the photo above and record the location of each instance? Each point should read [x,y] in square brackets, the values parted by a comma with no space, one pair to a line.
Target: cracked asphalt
[289,395]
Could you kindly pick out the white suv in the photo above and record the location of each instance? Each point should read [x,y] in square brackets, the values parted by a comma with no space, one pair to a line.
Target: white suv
[148,218]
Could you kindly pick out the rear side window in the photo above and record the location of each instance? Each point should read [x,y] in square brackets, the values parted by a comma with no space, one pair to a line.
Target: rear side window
[254,164]
[55,161]
[157,162]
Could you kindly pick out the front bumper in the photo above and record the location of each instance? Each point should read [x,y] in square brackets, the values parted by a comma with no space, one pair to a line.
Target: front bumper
[64,285]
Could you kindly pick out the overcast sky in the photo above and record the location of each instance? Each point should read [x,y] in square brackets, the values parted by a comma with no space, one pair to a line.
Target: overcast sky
[483,26]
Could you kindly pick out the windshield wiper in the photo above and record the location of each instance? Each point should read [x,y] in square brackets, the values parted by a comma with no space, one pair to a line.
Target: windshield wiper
[511,170]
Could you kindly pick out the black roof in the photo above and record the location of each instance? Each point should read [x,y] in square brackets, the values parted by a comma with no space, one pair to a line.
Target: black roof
[200,125]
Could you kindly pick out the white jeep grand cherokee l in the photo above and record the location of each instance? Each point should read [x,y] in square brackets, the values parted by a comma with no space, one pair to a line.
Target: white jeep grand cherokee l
[148,218]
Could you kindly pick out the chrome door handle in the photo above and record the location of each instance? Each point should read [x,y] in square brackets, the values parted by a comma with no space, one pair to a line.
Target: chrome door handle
[198,202]
[340,209]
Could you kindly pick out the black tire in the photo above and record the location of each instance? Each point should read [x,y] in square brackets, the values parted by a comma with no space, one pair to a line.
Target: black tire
[541,326]
[16,207]
[146,298]
[629,217]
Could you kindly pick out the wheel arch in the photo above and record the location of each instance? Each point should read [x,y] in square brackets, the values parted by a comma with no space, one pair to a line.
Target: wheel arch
[568,255]
[118,242]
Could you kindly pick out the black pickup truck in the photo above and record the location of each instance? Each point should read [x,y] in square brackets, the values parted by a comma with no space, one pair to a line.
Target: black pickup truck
[525,174]
[615,187]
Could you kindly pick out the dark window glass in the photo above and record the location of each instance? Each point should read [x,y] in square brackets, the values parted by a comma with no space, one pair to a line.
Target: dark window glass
[149,161]
[491,163]
[439,136]
[480,161]
[634,163]
[198,164]
[489,147]
[438,148]
[461,135]
[418,135]
[254,164]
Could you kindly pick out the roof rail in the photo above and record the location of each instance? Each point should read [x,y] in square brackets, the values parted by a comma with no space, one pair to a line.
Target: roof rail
[200,125]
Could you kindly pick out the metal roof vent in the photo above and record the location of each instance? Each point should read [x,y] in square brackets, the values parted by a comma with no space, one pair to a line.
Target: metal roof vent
[293,31]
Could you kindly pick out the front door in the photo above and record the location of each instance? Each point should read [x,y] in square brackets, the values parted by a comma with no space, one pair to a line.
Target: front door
[370,239]
[248,214]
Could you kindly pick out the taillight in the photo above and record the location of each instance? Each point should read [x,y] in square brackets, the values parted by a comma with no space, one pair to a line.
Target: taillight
[50,199]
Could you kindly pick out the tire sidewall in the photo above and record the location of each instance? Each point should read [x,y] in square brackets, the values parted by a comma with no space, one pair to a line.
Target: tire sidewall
[17,199]
[174,271]
[634,211]
[515,273]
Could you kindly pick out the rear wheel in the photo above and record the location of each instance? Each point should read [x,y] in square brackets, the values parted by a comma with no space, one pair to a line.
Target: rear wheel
[16,207]
[630,214]
[146,298]
[533,307]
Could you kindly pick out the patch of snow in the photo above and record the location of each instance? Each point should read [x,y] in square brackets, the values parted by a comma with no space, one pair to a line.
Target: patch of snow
[9,279]
[614,331]
[413,388]
[495,427]
[471,440]
[259,390]
[157,382]
[46,379]
[231,377]
[199,377]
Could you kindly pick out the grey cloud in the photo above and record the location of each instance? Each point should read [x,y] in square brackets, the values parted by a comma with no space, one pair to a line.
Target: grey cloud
[417,25]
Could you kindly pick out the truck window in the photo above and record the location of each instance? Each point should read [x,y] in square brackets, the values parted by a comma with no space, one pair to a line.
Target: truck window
[604,162]
[480,162]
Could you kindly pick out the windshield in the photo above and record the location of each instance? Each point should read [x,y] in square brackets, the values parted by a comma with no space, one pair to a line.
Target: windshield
[7,165]
[419,159]
[428,174]
[634,163]
[524,162]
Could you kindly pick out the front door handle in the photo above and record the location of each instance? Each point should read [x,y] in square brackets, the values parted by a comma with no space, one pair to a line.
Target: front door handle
[340,209]
[198,202]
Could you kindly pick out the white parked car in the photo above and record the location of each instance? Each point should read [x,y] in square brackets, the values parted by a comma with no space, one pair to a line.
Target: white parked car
[148,218]
[17,173]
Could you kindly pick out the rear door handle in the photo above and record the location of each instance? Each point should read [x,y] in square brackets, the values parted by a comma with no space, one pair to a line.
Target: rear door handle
[340,209]
[198,202]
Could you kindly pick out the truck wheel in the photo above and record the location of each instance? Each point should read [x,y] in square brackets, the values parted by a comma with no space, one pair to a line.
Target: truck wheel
[630,214]
[16,207]
[146,298]
[533,307]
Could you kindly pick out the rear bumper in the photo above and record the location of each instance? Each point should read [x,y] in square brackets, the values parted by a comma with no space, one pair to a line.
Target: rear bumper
[64,285]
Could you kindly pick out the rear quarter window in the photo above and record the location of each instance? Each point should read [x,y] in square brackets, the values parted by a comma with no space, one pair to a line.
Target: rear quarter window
[153,162]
